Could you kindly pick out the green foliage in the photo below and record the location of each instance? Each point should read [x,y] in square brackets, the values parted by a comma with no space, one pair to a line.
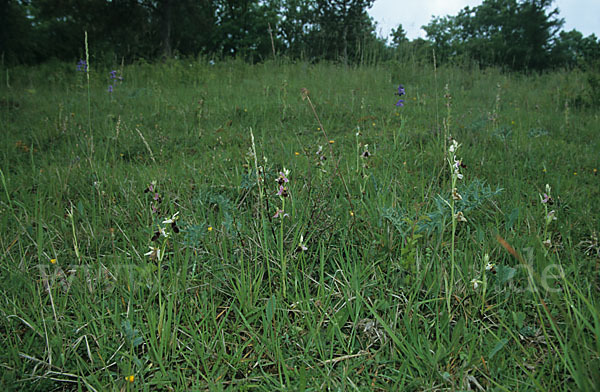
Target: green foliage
[398,36]
[369,303]
[516,34]
[474,195]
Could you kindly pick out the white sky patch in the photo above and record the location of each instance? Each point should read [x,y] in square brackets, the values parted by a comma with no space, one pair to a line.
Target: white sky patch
[582,15]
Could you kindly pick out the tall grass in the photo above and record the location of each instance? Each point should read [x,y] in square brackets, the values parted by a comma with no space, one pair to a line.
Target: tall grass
[350,291]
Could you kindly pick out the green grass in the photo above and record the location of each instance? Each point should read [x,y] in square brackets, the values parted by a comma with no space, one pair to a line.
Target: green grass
[232,301]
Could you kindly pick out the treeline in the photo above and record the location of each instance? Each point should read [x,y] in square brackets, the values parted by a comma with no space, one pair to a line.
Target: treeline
[516,34]
[519,35]
[35,30]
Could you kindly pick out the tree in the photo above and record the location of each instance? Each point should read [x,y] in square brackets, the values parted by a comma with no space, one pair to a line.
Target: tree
[298,19]
[398,36]
[572,49]
[15,32]
[511,33]
[242,27]
[341,26]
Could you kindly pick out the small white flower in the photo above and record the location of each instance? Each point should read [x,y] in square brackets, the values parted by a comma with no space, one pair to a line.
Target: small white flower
[547,243]
[475,283]
[171,219]
[460,217]
[163,232]
[154,253]
[301,246]
[456,195]
[454,146]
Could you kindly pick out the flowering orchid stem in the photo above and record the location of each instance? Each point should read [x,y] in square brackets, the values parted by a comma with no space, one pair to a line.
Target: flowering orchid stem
[261,210]
[337,168]
[75,246]
[87,74]
[281,253]
[452,266]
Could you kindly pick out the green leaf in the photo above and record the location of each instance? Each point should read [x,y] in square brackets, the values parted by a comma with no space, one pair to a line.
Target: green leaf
[518,318]
[512,218]
[505,274]
[270,310]
[497,348]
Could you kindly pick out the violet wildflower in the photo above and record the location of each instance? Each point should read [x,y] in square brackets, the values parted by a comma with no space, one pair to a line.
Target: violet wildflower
[400,92]
[82,66]
[283,192]
[110,88]
[280,214]
[113,74]
[282,179]
[150,187]
[546,198]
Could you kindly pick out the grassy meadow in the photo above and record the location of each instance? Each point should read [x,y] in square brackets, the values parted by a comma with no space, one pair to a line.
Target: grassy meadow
[285,226]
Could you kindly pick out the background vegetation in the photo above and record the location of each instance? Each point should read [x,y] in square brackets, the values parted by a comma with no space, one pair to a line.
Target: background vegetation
[513,34]
[365,280]
[261,210]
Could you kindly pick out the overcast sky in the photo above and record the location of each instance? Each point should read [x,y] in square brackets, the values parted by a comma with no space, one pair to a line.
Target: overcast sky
[582,15]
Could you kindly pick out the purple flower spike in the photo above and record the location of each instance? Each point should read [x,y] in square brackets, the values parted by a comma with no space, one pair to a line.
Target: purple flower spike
[113,74]
[110,88]
[400,92]
[82,66]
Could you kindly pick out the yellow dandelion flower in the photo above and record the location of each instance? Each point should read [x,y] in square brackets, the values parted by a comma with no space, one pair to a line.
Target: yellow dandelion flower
[53,261]
[574,173]
[130,378]
[331,141]
[210,228]
[296,153]
[544,170]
